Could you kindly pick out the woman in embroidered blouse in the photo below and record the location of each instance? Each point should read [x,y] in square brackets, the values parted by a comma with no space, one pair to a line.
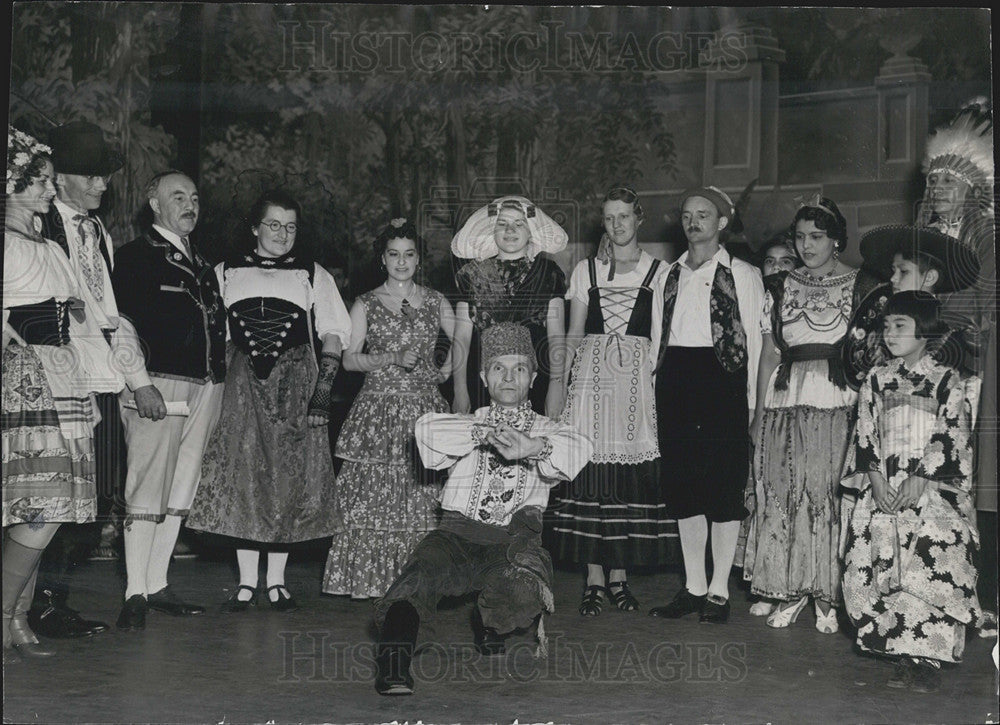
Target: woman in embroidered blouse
[911,544]
[612,515]
[510,278]
[267,476]
[801,426]
[54,357]
[388,500]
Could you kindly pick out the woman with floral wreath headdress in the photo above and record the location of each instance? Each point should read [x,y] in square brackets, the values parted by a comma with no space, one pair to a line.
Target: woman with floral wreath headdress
[387,499]
[54,359]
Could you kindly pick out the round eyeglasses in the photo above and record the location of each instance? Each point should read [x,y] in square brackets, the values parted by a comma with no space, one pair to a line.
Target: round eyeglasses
[275,226]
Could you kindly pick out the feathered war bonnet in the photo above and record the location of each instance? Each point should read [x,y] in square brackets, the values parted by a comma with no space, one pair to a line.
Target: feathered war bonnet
[964,149]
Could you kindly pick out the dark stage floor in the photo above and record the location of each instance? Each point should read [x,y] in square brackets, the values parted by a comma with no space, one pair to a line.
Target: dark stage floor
[314,666]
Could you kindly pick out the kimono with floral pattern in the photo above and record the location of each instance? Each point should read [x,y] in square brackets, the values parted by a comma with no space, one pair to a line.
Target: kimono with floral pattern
[910,577]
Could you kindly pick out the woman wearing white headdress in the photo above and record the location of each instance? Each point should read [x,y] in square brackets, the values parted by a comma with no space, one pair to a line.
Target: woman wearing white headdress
[510,278]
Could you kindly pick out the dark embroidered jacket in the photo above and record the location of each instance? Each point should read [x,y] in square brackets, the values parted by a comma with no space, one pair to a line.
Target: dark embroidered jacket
[176,308]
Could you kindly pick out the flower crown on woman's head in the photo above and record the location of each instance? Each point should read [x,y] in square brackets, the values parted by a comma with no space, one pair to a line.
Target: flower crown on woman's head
[21,151]
[398,222]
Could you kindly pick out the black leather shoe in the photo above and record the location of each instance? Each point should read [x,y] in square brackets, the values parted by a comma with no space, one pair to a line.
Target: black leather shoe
[234,604]
[684,603]
[392,669]
[169,603]
[284,602]
[926,679]
[489,642]
[133,616]
[395,650]
[715,611]
[902,674]
[54,620]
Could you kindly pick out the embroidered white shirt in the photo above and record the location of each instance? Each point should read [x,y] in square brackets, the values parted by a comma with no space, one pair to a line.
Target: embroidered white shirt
[482,485]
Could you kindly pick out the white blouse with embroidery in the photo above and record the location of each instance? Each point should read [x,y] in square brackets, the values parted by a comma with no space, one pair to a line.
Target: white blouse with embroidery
[482,485]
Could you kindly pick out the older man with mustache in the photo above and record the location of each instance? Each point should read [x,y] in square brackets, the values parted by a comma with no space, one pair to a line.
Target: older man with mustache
[705,390]
[171,295]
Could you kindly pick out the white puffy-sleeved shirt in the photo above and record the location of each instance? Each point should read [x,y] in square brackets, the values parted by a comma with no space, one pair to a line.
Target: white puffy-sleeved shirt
[291,284]
[618,308]
[35,271]
[483,486]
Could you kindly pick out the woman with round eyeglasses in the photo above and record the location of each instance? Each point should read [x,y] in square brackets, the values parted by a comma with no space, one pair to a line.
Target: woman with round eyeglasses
[267,476]
[388,502]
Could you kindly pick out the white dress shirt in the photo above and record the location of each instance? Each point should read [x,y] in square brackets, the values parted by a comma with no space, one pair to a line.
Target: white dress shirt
[691,324]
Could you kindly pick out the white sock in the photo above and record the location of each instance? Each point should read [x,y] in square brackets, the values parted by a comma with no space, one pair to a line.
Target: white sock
[724,538]
[248,561]
[276,561]
[694,536]
[138,537]
[164,540]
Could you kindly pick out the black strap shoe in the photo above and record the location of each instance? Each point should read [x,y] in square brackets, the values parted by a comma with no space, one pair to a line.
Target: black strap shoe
[683,603]
[133,616]
[168,602]
[234,604]
[284,602]
[715,611]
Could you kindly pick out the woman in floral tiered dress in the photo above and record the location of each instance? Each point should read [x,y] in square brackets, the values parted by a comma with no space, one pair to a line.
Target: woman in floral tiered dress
[388,500]
[802,426]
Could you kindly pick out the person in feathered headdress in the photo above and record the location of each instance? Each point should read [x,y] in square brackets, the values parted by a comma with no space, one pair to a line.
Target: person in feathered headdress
[959,201]
[958,164]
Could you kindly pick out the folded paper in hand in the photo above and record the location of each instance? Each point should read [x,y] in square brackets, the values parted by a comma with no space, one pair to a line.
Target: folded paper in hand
[174,407]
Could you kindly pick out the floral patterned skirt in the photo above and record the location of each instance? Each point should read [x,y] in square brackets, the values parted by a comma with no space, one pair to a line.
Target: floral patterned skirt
[910,578]
[388,499]
[48,445]
[266,475]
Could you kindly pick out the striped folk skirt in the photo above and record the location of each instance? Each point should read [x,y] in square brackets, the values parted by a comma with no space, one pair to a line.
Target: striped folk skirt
[48,444]
[612,513]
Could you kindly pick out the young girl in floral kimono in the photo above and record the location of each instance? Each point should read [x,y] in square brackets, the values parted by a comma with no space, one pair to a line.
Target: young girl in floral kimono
[909,572]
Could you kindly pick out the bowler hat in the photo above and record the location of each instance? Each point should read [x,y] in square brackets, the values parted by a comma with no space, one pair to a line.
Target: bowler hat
[956,262]
[79,147]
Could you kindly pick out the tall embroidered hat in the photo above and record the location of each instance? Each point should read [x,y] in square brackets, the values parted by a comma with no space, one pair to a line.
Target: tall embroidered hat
[475,239]
[506,338]
[964,149]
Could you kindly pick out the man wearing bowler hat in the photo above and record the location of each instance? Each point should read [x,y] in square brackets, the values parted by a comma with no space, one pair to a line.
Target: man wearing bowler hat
[84,161]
